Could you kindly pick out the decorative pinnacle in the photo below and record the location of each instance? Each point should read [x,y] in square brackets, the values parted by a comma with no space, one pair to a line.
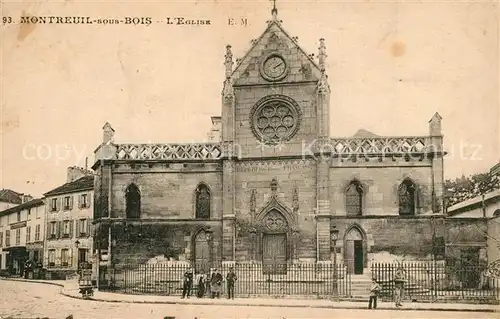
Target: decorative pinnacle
[322,54]
[228,61]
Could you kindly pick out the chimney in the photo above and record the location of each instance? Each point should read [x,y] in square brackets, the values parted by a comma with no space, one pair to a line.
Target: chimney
[75,173]
[26,198]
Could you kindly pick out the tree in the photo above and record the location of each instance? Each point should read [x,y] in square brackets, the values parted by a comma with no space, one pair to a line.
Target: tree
[464,188]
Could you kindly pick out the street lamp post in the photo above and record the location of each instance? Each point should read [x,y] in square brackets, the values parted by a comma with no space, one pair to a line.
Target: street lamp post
[209,240]
[77,243]
[334,236]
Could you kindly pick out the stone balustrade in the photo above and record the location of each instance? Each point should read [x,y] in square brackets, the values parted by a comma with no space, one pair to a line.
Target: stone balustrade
[380,145]
[191,151]
[337,146]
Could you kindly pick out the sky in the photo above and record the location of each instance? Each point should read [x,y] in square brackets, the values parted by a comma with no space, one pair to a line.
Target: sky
[391,66]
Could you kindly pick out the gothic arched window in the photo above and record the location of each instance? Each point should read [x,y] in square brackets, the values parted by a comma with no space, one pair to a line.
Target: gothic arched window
[133,201]
[202,202]
[407,198]
[354,199]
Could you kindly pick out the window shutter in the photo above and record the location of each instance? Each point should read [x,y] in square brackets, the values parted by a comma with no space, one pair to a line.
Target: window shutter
[88,227]
[58,204]
[59,227]
[89,198]
[79,201]
[71,202]
[71,228]
[47,233]
[77,234]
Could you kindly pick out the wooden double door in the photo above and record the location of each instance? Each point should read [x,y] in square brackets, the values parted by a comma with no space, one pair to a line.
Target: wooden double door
[202,252]
[274,253]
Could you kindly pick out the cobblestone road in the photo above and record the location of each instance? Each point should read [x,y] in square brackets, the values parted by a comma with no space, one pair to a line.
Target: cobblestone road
[32,300]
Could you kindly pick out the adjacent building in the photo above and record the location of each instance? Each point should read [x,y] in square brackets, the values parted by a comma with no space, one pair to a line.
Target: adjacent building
[480,216]
[22,234]
[10,198]
[68,240]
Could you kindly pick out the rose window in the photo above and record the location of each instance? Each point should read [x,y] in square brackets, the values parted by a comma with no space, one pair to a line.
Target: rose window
[275,119]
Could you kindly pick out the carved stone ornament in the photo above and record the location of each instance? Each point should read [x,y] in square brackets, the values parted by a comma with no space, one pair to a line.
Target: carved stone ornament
[275,119]
[252,203]
[274,221]
[228,91]
[274,185]
[322,54]
[295,199]
[228,61]
[323,86]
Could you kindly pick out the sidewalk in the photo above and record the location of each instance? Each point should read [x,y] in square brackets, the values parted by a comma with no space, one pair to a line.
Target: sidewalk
[70,289]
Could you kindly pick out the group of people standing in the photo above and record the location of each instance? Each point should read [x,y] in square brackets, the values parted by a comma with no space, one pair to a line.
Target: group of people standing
[208,284]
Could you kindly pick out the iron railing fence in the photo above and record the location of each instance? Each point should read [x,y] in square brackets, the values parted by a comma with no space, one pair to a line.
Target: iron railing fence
[435,281]
[253,279]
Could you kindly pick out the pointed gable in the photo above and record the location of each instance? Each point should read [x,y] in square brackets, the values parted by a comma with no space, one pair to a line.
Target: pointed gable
[275,39]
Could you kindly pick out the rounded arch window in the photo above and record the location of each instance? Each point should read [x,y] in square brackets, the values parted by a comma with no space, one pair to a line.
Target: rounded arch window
[275,119]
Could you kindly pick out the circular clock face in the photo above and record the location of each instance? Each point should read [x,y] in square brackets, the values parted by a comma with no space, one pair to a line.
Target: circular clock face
[274,68]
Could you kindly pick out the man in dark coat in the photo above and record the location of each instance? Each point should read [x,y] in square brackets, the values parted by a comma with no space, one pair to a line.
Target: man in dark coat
[187,284]
[230,279]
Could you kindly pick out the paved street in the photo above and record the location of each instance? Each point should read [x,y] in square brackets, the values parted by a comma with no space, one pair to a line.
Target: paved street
[31,300]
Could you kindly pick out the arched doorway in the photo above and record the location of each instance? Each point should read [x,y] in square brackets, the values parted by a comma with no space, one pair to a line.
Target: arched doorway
[274,242]
[202,256]
[354,251]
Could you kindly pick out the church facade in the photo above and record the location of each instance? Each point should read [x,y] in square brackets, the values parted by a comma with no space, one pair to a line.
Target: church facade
[275,187]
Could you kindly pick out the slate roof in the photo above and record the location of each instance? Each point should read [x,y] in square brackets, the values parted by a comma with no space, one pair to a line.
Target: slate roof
[18,208]
[365,133]
[81,184]
[10,196]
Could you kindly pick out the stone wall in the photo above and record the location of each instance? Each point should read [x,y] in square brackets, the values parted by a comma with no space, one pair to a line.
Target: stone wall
[167,190]
[389,239]
[137,243]
[380,186]
[466,234]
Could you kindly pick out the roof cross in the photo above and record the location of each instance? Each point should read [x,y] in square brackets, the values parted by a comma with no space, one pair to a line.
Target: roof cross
[274,11]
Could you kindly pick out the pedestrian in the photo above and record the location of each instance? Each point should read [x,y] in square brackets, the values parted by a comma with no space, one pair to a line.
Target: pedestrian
[201,284]
[399,284]
[187,284]
[374,291]
[216,283]
[230,279]
[208,279]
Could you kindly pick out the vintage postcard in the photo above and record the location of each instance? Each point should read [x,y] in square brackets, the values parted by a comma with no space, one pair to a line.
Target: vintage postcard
[249,159]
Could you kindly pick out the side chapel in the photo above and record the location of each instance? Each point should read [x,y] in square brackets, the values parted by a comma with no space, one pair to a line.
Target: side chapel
[274,186]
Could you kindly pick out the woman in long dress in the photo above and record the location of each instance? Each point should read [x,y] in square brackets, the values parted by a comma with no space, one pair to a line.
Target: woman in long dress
[216,283]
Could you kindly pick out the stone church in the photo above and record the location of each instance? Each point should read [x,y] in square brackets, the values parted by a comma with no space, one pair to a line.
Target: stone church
[272,185]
